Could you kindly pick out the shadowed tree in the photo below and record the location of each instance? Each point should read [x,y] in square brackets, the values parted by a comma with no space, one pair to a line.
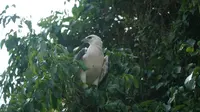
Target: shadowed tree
[153,46]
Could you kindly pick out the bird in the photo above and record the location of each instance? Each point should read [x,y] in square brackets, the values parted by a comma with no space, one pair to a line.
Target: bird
[94,60]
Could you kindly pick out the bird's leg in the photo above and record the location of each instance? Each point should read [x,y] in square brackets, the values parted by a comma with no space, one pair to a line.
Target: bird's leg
[83,79]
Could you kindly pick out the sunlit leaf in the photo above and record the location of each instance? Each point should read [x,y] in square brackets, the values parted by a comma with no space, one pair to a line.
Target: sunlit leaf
[190,82]
[189,49]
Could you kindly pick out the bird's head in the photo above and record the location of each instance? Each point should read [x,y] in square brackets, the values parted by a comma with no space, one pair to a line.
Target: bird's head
[92,39]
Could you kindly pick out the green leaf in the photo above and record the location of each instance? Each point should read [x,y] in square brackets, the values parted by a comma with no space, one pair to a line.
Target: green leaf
[29,24]
[114,106]
[54,101]
[198,81]
[113,87]
[43,46]
[196,71]
[190,49]
[177,108]
[181,89]
[129,77]
[14,17]
[136,83]
[2,43]
[13,5]
[82,65]
[4,21]
[146,103]
[20,26]
[182,47]
[3,12]
[136,70]
[57,12]
[75,11]
[8,21]
[159,85]
[178,69]
[68,19]
[198,43]
[6,7]
[28,106]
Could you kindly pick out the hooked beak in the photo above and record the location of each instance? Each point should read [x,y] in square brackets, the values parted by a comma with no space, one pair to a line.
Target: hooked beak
[85,40]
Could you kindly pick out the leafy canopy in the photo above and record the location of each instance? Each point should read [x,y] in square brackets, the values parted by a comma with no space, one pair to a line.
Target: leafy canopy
[153,49]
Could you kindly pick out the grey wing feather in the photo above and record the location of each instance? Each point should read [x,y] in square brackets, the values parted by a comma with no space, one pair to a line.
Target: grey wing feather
[103,72]
[104,68]
[80,54]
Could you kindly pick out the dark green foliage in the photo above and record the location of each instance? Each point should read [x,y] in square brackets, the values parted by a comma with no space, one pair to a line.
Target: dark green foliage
[153,46]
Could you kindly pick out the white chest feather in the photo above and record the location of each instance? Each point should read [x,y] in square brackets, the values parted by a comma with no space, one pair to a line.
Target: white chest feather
[93,57]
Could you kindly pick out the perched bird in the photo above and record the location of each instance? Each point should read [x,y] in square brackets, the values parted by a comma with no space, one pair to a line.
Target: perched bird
[93,58]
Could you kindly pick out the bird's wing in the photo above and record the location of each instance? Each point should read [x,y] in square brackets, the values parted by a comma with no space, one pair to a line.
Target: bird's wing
[104,71]
[80,54]
[105,65]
